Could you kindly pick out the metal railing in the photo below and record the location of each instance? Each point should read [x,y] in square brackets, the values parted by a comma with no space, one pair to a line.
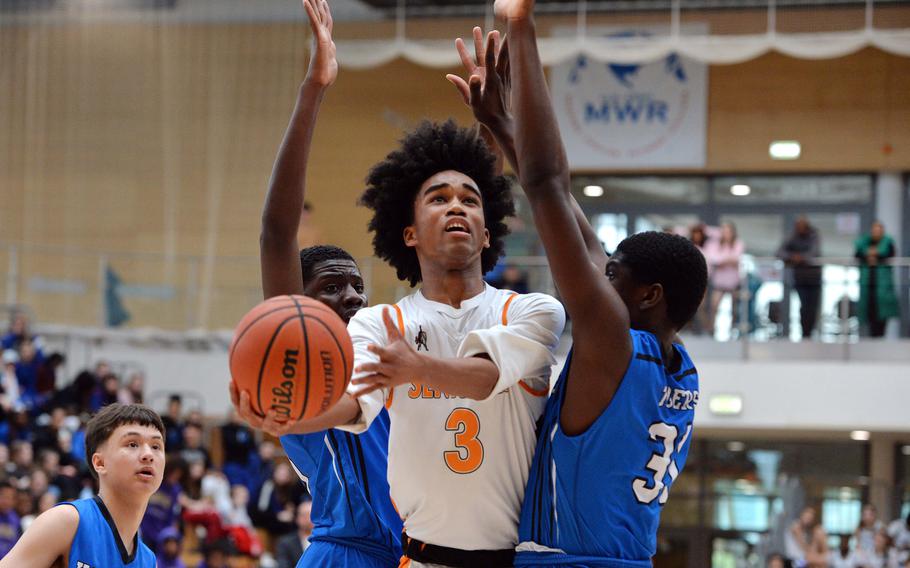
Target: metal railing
[67,285]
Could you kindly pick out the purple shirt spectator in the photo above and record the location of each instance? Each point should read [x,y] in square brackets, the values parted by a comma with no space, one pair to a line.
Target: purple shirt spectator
[162,512]
[9,531]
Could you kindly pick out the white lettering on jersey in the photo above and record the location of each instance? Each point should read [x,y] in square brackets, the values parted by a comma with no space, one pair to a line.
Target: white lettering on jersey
[678,399]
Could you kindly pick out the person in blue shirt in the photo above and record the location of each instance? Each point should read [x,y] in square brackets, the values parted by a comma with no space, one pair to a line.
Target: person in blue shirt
[617,427]
[354,522]
[125,453]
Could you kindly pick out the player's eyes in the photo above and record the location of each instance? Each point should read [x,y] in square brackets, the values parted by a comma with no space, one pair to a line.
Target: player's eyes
[472,201]
[438,199]
[359,288]
[331,289]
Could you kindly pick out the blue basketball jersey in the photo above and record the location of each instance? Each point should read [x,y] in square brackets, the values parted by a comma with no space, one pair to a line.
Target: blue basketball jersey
[347,476]
[97,543]
[595,499]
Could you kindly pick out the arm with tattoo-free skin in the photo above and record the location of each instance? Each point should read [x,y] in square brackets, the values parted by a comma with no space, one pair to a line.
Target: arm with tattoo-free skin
[278,248]
[599,315]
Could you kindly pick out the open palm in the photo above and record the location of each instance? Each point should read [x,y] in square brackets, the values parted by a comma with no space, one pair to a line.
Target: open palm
[323,64]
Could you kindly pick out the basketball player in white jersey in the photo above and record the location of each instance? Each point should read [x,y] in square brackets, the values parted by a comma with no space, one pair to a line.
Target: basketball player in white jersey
[463,368]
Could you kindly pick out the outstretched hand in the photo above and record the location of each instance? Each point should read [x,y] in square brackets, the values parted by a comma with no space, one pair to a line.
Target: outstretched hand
[513,9]
[323,64]
[486,89]
[398,362]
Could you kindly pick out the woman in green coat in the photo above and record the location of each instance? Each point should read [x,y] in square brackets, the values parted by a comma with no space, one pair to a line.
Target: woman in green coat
[877,298]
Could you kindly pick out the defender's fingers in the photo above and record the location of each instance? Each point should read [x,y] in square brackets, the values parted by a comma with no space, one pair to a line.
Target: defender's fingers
[466,60]
[478,45]
[311,13]
[372,368]
[390,328]
[489,59]
[461,86]
[235,394]
[502,60]
[475,85]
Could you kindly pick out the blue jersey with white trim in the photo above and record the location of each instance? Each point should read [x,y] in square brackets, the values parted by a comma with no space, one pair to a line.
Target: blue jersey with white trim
[347,476]
[599,494]
[97,541]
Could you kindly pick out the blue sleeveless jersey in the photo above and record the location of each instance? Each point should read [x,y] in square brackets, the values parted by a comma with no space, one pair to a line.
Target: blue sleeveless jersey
[347,475]
[97,543]
[595,499]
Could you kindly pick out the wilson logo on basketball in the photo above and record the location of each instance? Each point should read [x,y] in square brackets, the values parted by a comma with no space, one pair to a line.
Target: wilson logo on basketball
[283,394]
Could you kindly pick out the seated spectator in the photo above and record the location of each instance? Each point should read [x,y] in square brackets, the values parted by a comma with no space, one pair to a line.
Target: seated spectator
[239,445]
[23,459]
[64,480]
[170,547]
[9,382]
[778,561]
[882,555]
[107,393]
[163,511]
[274,507]
[843,556]
[10,527]
[238,525]
[173,424]
[193,446]
[45,502]
[877,298]
[30,361]
[47,433]
[217,554]
[20,332]
[133,392]
[869,526]
[47,375]
[290,547]
[806,542]
[899,531]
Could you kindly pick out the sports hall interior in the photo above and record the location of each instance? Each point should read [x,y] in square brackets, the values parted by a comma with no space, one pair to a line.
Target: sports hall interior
[136,145]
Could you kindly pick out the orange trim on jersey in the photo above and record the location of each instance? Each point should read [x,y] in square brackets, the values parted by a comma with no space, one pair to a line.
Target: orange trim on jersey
[405,562]
[388,402]
[535,392]
[505,310]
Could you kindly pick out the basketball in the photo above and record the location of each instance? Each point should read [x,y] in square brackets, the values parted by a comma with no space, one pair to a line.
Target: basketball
[293,355]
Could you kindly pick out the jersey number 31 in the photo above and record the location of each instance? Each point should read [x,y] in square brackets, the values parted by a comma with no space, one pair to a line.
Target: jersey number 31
[660,464]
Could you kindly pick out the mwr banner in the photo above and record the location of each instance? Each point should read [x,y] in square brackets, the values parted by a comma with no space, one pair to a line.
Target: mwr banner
[623,116]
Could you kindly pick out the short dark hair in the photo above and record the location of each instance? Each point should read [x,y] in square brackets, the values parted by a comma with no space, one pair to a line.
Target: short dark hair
[393,183]
[102,425]
[311,256]
[673,262]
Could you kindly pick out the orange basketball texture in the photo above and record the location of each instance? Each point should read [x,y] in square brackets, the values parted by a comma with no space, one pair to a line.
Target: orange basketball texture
[292,354]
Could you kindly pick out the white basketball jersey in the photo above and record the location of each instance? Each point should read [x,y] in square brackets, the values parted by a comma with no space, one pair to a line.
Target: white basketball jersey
[458,467]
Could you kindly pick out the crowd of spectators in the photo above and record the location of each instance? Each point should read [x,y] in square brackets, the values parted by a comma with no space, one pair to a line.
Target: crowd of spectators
[211,511]
[873,544]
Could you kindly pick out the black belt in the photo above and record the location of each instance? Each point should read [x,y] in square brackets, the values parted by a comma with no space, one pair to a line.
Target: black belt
[435,554]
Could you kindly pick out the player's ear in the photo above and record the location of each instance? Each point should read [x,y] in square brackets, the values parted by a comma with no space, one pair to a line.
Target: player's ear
[410,236]
[652,295]
[486,238]
[98,463]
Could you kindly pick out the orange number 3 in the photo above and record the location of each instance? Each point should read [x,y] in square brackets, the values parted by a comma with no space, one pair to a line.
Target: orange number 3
[469,455]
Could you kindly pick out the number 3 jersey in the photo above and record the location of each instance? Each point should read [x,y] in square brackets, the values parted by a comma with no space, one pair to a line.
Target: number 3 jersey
[595,499]
[458,467]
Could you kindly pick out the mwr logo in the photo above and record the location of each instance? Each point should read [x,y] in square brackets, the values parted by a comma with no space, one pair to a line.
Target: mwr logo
[82,565]
[650,114]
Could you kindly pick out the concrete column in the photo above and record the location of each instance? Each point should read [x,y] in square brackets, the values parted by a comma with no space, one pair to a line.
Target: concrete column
[881,476]
[889,209]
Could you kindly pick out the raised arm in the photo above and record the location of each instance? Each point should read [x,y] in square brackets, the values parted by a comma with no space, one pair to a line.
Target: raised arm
[600,320]
[278,249]
[487,91]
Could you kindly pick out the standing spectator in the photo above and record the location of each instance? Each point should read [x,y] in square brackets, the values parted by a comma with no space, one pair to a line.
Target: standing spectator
[701,323]
[274,507]
[800,253]
[877,298]
[880,556]
[899,531]
[173,424]
[30,360]
[10,529]
[18,333]
[723,255]
[291,546]
[239,445]
[806,542]
[193,447]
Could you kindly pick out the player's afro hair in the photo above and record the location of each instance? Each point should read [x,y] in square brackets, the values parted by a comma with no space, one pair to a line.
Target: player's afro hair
[311,256]
[673,262]
[393,183]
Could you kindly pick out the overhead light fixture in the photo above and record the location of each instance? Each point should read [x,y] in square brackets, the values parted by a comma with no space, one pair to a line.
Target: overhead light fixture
[740,190]
[735,446]
[725,404]
[906,450]
[859,435]
[593,191]
[784,150]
